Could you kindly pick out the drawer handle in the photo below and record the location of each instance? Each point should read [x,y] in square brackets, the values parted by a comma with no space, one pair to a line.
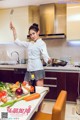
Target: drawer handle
[45,85]
[51,78]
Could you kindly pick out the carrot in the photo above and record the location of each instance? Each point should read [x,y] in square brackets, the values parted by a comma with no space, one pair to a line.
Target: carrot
[31,97]
[26,98]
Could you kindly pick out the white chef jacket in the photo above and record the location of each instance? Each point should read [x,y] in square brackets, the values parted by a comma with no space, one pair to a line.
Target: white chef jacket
[35,51]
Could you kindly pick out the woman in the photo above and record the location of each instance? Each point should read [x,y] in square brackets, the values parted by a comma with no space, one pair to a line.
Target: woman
[36,49]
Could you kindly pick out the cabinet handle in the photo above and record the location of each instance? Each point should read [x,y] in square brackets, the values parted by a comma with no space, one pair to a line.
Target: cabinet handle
[51,78]
[45,85]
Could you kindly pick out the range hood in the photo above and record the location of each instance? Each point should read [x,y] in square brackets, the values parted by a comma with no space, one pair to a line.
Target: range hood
[53,36]
[53,21]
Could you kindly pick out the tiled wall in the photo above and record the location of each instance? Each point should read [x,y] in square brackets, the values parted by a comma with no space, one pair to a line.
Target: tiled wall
[7,49]
[56,49]
[63,49]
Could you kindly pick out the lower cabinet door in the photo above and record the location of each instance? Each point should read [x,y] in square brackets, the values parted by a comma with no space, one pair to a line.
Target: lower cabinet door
[56,82]
[51,82]
[72,86]
[19,74]
[11,75]
[7,75]
[52,94]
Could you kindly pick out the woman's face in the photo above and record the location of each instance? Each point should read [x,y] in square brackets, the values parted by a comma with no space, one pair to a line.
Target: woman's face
[34,35]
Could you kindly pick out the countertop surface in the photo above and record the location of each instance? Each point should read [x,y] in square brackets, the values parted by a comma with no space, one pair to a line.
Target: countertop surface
[59,68]
[20,66]
[63,68]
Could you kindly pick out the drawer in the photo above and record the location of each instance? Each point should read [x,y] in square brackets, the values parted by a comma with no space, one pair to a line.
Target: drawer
[50,82]
[52,94]
[51,74]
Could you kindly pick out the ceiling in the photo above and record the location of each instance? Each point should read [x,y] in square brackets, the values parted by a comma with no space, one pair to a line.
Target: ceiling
[19,3]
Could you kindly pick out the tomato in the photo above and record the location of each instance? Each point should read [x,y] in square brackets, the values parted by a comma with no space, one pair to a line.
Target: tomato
[24,83]
[3,93]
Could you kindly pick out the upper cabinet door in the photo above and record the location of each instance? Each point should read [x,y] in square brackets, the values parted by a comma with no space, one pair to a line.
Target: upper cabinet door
[73,21]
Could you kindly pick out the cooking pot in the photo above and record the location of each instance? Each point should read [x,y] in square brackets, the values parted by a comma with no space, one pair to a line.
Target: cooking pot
[57,62]
[63,63]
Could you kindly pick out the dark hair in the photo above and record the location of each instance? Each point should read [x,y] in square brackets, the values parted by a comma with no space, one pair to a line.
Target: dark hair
[34,27]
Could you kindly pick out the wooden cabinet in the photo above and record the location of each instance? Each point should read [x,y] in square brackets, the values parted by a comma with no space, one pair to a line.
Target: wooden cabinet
[19,74]
[7,75]
[56,82]
[12,75]
[51,81]
[60,18]
[72,86]
[73,22]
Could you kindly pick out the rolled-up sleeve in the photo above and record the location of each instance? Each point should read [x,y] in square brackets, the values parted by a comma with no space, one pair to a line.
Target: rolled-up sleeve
[21,43]
[44,52]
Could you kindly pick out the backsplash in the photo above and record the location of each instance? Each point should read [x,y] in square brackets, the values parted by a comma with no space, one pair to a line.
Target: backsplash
[7,49]
[56,48]
[60,48]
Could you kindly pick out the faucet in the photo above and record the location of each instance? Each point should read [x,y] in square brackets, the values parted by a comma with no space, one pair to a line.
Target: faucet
[17,54]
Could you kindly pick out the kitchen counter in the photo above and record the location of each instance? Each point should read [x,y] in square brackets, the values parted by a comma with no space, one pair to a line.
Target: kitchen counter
[67,68]
[59,68]
[56,78]
[20,66]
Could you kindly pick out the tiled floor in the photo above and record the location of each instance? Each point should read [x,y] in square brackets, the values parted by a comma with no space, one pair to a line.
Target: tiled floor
[70,110]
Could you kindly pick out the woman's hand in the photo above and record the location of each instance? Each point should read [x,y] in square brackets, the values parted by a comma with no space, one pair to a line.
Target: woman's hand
[50,61]
[14,30]
[11,26]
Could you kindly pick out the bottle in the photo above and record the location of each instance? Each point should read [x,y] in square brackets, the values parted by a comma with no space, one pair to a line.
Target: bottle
[32,84]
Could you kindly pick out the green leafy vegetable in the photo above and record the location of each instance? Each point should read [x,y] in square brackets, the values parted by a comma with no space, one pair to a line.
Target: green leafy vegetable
[10,103]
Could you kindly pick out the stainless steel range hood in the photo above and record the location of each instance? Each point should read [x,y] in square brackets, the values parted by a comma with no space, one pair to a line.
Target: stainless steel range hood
[53,21]
[47,18]
[53,36]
